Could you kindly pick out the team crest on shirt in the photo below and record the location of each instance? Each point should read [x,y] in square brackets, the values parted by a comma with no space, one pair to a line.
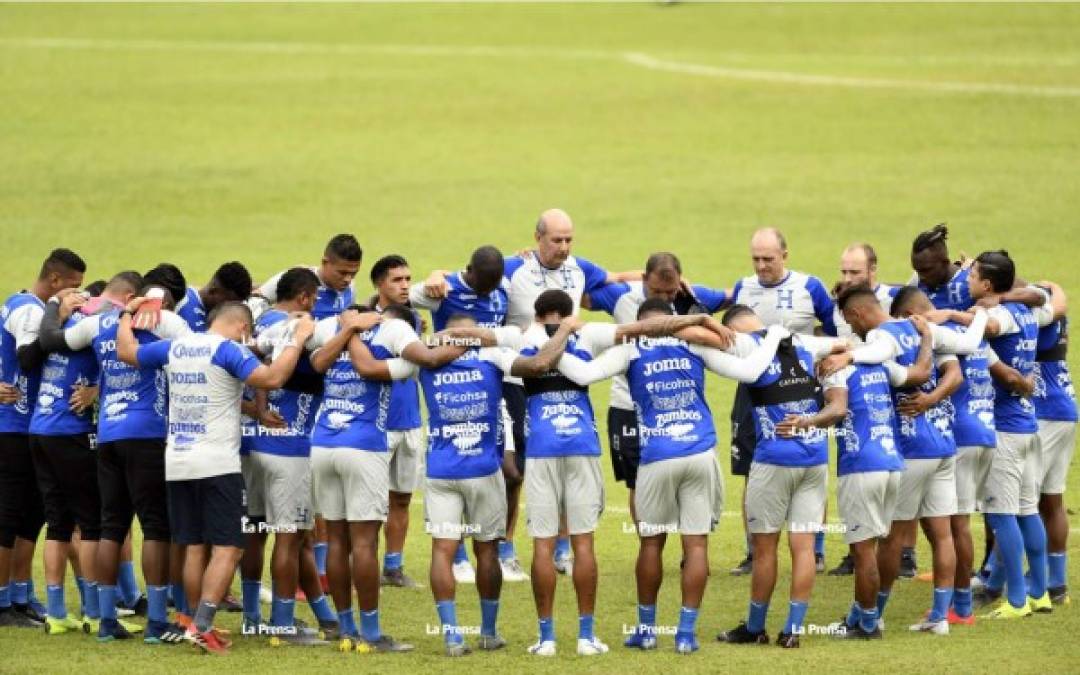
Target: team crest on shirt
[338,420]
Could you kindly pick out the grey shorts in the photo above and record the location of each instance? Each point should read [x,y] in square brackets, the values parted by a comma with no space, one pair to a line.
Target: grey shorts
[1012,482]
[1057,441]
[795,495]
[563,486]
[351,484]
[406,450]
[972,468]
[472,507]
[286,491]
[866,502]
[927,489]
[684,495]
[254,505]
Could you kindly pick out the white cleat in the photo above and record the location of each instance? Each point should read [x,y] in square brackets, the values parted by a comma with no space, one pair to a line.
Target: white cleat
[590,647]
[542,648]
[977,583]
[881,624]
[265,596]
[935,627]
[564,564]
[464,572]
[511,570]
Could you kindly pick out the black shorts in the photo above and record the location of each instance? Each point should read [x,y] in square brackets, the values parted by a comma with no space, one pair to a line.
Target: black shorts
[514,395]
[743,435]
[131,475]
[21,511]
[207,510]
[67,476]
[625,445]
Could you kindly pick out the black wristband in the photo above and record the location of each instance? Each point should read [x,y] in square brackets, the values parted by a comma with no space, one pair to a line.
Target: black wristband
[126,311]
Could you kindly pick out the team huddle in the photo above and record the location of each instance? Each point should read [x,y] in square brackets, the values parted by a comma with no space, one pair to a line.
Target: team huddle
[223,414]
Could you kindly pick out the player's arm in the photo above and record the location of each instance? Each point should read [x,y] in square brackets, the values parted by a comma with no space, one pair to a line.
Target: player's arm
[25,325]
[127,347]
[583,373]
[747,369]
[52,336]
[350,323]
[998,319]
[436,286]
[624,277]
[836,404]
[824,307]
[950,377]
[879,348]
[479,336]
[273,376]
[1058,301]
[920,371]
[431,357]
[1012,379]
[371,368]
[545,359]
[947,341]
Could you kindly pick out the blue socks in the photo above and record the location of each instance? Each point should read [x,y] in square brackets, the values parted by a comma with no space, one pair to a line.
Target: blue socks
[448,621]
[128,586]
[961,602]
[868,619]
[755,622]
[347,623]
[320,607]
[20,593]
[5,596]
[460,555]
[819,543]
[547,629]
[1010,547]
[369,625]
[796,615]
[506,550]
[81,584]
[320,549]
[393,561]
[585,627]
[282,611]
[157,604]
[1057,564]
[249,595]
[562,547]
[646,618]
[1034,534]
[54,601]
[882,600]
[687,621]
[853,615]
[107,601]
[93,607]
[942,599]
[179,599]
[489,615]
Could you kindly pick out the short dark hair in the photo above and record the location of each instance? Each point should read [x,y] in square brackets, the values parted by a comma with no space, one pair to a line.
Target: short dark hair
[853,293]
[554,300]
[169,277]
[230,307]
[935,236]
[997,268]
[128,281]
[383,265]
[295,281]
[398,311]
[667,264]
[734,312]
[62,260]
[344,247]
[904,297]
[94,288]
[487,266]
[653,306]
[234,278]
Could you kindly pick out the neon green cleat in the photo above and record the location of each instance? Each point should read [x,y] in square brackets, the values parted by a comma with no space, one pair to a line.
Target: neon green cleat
[1006,611]
[130,627]
[54,626]
[90,626]
[1041,605]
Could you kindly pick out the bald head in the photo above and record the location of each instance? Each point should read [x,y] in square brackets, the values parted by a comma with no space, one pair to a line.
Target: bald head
[231,319]
[768,251]
[554,234]
[858,265]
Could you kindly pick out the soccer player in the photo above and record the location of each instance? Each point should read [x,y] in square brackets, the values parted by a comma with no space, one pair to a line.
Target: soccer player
[21,510]
[206,374]
[339,265]
[392,279]
[945,282]
[662,279]
[789,475]
[130,448]
[230,283]
[1055,408]
[351,463]
[791,299]
[859,265]
[680,487]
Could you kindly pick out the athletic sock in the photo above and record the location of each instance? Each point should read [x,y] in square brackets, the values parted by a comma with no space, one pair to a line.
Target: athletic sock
[81,584]
[853,615]
[157,604]
[179,598]
[687,620]
[489,616]
[585,627]
[1057,564]
[942,599]
[961,601]
[204,616]
[393,561]
[107,601]
[93,606]
[460,555]
[1010,554]
[320,607]
[54,601]
[249,597]
[347,623]
[282,612]
[447,610]
[5,597]
[882,600]
[20,593]
[819,543]
[868,619]
[320,549]
[547,629]
[369,625]
[1034,534]
[126,583]
[506,550]
[796,615]
[562,547]
[646,618]
[755,622]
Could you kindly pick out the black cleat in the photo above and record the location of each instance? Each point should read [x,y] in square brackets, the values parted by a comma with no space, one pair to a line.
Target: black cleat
[30,612]
[787,641]
[741,635]
[1059,595]
[909,567]
[138,609]
[743,568]
[11,618]
[845,569]
[984,597]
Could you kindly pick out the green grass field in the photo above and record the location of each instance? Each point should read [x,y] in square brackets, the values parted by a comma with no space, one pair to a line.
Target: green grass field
[198,134]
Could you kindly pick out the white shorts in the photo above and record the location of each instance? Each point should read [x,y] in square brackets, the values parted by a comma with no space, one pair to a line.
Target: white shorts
[791,495]
[927,489]
[683,495]
[286,491]
[474,507]
[253,488]
[866,502]
[406,450]
[563,486]
[1001,494]
[351,484]
[1057,441]
[972,467]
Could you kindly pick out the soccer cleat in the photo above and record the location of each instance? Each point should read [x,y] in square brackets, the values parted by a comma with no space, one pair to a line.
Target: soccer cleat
[208,642]
[161,633]
[301,638]
[957,620]
[385,643]
[1043,605]
[741,635]
[68,624]
[591,647]
[137,609]
[397,578]
[512,571]
[16,618]
[983,597]
[908,566]
[564,564]
[266,597]
[819,563]
[927,626]
[640,640]
[845,568]
[1059,596]
[230,604]
[329,630]
[743,568]
[977,582]
[112,630]
[30,612]
[542,648]
[457,649]
[686,643]
[856,632]
[490,643]
[1006,611]
[464,572]
[787,640]
[90,626]
[36,605]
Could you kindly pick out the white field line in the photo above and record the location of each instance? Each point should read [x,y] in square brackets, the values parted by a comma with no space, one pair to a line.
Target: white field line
[637,59]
